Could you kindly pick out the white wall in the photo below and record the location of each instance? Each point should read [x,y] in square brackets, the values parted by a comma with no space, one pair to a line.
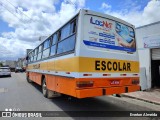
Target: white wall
[144,53]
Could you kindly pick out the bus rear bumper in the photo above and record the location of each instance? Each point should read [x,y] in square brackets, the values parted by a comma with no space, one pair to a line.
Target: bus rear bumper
[84,93]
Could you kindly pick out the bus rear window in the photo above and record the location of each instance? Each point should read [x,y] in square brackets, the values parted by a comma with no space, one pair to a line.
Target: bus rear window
[106,34]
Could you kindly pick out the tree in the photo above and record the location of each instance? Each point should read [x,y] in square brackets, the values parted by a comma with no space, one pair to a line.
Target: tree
[1,64]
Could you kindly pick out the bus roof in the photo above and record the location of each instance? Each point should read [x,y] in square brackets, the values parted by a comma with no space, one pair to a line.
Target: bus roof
[87,12]
[107,16]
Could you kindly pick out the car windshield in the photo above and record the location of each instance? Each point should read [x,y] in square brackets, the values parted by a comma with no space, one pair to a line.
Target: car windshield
[4,70]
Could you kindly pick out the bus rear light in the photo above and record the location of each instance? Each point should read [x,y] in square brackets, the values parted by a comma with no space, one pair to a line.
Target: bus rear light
[123,74]
[135,82]
[84,84]
[67,72]
[135,74]
[106,74]
[87,74]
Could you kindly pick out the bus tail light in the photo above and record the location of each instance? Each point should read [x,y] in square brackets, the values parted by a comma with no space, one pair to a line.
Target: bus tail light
[135,82]
[123,74]
[87,74]
[84,84]
[135,74]
[106,74]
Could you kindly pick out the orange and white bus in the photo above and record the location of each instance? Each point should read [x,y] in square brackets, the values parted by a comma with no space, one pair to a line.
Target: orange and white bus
[93,54]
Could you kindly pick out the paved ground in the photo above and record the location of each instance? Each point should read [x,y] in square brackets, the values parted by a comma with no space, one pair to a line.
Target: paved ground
[152,96]
[16,93]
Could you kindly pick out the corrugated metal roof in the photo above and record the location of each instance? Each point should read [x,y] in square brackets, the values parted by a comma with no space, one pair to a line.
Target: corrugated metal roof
[148,25]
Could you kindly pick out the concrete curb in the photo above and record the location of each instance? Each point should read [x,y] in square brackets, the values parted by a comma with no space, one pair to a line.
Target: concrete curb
[153,102]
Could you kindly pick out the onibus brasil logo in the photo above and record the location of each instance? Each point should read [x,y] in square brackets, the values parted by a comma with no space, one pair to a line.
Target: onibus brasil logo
[15,112]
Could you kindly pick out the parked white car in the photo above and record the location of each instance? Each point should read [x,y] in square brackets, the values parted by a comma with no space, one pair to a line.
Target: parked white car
[5,71]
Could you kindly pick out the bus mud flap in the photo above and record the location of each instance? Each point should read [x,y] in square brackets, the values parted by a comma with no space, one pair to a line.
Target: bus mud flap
[104,91]
[126,89]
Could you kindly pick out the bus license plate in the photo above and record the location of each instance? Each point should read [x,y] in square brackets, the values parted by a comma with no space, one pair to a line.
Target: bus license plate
[114,82]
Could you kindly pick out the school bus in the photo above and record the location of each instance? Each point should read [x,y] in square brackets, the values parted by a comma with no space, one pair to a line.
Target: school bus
[93,54]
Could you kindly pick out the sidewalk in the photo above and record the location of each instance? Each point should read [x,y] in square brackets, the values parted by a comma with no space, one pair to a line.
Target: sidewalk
[152,96]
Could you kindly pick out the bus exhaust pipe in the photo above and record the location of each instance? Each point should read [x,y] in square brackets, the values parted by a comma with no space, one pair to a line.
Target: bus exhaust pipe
[53,94]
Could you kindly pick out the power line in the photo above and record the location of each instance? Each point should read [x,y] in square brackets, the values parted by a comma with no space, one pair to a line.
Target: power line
[18,9]
[5,7]
[13,13]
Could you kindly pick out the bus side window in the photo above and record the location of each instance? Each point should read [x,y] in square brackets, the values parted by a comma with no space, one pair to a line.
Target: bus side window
[65,31]
[46,44]
[67,41]
[35,54]
[54,39]
[53,47]
[31,56]
[39,56]
[40,49]
[46,49]
[39,52]
[66,45]
[73,27]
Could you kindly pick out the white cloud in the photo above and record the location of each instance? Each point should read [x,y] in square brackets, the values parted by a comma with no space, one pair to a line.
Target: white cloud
[40,18]
[149,14]
[105,6]
[12,48]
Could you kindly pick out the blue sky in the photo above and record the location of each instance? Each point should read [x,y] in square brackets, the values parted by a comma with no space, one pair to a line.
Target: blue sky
[4,27]
[21,29]
[117,5]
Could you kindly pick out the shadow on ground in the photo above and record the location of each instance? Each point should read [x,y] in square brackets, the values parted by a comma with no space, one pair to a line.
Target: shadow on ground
[91,105]
[4,76]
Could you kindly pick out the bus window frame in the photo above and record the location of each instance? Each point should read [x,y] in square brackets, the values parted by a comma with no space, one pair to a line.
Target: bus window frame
[55,44]
[71,34]
[48,47]
[35,54]
[57,32]
[39,51]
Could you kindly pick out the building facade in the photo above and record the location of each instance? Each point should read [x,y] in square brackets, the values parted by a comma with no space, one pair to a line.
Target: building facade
[10,63]
[148,43]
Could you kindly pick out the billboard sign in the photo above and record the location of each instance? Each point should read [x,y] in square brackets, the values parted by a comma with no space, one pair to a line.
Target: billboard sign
[152,41]
[106,34]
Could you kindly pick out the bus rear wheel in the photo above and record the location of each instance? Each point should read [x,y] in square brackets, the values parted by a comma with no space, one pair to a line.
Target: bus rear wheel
[44,88]
[48,93]
[28,80]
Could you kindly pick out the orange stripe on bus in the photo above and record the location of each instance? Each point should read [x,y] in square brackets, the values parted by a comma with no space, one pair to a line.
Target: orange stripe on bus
[68,85]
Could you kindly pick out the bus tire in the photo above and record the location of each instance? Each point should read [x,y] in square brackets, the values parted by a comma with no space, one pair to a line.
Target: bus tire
[28,80]
[44,88]
[48,93]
